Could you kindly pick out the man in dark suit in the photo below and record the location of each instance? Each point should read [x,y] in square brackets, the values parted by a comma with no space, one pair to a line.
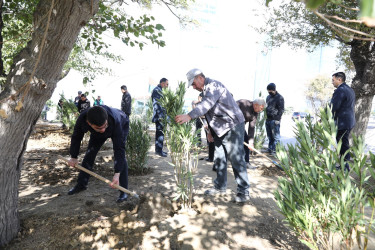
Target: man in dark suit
[158,114]
[103,122]
[342,104]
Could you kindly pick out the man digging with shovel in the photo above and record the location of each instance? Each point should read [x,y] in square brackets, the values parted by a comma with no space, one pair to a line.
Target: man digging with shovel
[103,122]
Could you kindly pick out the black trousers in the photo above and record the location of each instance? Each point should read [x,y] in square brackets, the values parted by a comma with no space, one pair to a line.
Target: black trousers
[88,162]
[159,137]
[344,136]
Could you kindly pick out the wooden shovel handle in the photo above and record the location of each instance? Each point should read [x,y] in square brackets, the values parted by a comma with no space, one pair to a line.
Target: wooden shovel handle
[256,151]
[98,176]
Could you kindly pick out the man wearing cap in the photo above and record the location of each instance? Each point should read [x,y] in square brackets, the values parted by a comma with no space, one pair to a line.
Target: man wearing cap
[226,129]
[158,114]
[274,111]
[126,101]
[342,104]
[77,98]
[103,122]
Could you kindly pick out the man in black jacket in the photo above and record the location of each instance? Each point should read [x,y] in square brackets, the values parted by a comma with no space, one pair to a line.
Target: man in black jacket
[126,101]
[342,104]
[103,122]
[158,114]
[274,111]
[83,104]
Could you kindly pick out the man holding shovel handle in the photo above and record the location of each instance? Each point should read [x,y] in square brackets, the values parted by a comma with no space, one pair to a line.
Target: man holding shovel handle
[103,122]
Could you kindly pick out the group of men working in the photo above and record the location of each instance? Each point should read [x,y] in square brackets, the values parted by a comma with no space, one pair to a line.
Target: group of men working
[225,118]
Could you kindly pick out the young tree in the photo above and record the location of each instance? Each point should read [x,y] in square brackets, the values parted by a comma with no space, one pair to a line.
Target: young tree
[319,91]
[292,23]
[43,34]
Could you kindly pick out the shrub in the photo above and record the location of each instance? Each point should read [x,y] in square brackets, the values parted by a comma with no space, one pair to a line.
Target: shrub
[68,113]
[180,140]
[137,145]
[320,203]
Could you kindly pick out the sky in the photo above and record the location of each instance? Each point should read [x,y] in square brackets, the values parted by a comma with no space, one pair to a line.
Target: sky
[223,46]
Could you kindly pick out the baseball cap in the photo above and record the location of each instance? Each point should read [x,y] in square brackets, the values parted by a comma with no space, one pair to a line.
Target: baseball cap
[191,74]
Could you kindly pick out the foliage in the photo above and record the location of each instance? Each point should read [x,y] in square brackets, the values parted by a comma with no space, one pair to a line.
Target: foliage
[91,50]
[292,23]
[137,145]
[260,131]
[320,202]
[149,111]
[68,113]
[319,92]
[180,140]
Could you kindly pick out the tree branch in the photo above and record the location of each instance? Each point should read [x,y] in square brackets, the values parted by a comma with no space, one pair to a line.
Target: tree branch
[333,25]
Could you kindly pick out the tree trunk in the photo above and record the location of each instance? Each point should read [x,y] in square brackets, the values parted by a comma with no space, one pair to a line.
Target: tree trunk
[363,57]
[66,20]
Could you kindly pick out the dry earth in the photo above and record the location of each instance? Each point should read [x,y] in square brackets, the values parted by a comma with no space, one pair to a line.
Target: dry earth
[50,219]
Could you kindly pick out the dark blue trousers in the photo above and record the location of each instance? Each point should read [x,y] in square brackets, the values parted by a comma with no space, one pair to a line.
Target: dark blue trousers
[159,137]
[88,162]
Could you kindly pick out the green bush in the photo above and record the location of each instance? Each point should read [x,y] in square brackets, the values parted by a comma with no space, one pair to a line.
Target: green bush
[180,140]
[324,205]
[137,145]
[68,114]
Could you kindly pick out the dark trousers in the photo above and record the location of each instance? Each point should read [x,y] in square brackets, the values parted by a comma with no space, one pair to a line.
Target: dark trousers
[198,125]
[211,149]
[247,150]
[88,162]
[159,137]
[344,136]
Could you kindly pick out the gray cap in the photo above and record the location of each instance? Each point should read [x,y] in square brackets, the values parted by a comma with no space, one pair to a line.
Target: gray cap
[191,74]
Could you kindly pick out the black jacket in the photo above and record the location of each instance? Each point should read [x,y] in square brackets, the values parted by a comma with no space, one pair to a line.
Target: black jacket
[117,130]
[126,103]
[275,107]
[342,104]
[83,105]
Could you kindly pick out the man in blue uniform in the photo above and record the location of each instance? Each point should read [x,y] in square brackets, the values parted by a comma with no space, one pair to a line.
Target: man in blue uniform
[158,114]
[103,122]
[342,104]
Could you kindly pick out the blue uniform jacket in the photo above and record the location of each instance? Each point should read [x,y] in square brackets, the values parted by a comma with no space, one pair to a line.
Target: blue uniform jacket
[117,130]
[158,111]
[342,104]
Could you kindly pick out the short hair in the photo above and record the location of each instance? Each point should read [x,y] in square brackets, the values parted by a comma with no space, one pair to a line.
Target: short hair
[83,95]
[124,87]
[260,101]
[163,80]
[97,115]
[340,75]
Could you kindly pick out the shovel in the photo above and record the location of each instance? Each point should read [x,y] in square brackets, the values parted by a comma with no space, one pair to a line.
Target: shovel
[100,177]
[256,151]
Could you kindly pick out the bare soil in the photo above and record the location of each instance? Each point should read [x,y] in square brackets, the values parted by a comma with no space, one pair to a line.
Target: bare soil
[50,219]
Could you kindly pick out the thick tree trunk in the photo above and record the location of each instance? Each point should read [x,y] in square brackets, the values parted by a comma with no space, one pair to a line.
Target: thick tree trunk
[363,57]
[66,21]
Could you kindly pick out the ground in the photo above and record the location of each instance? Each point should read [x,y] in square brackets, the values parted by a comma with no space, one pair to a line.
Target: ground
[50,219]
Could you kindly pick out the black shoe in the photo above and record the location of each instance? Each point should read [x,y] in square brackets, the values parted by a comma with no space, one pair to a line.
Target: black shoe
[76,189]
[209,160]
[122,197]
[241,198]
[214,191]
[162,154]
